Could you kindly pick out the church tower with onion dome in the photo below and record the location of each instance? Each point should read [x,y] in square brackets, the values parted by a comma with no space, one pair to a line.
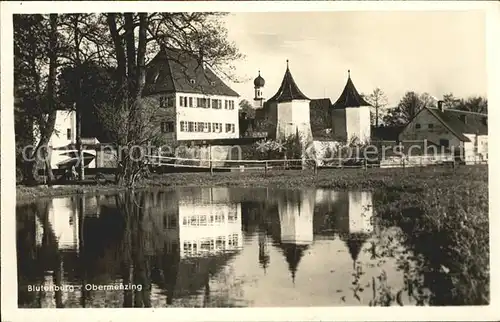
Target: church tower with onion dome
[258,100]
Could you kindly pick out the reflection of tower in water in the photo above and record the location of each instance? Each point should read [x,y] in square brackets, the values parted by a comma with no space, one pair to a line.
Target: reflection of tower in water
[264,258]
[360,214]
[296,210]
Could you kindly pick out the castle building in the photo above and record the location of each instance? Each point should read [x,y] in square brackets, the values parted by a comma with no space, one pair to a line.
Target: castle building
[289,111]
[286,113]
[190,100]
[351,115]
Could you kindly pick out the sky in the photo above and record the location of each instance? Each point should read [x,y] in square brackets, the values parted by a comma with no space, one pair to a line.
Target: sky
[436,52]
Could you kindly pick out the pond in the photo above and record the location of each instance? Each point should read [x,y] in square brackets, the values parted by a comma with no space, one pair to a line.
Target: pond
[214,247]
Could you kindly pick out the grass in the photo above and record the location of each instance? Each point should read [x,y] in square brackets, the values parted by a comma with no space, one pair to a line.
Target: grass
[443,213]
[410,179]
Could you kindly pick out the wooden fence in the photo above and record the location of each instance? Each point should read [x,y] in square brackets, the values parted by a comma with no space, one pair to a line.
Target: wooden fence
[297,164]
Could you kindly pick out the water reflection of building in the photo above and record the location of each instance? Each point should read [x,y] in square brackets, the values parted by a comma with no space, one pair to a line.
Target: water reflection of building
[295,209]
[200,231]
[207,228]
[62,219]
[357,224]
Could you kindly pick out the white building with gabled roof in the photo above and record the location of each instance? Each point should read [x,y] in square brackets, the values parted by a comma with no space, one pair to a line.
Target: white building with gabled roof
[191,101]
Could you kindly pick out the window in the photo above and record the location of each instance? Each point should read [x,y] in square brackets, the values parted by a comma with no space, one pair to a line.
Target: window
[68,134]
[208,127]
[225,104]
[417,126]
[431,126]
[233,128]
[201,127]
[444,142]
[167,127]
[228,127]
[181,99]
[195,129]
[183,126]
[166,102]
[216,103]
[190,102]
[217,127]
[185,101]
[190,127]
[192,81]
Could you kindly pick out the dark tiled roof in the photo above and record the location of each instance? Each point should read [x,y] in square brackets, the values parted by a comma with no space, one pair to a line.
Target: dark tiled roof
[178,71]
[474,123]
[288,90]
[350,97]
[386,133]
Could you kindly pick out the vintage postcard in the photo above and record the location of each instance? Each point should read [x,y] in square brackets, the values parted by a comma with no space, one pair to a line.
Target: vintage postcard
[227,161]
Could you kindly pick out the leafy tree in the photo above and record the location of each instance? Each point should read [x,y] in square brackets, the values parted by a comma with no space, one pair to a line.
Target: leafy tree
[36,50]
[246,109]
[408,107]
[478,104]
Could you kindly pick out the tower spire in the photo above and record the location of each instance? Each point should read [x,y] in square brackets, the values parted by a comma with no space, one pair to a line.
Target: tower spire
[349,73]
[287,64]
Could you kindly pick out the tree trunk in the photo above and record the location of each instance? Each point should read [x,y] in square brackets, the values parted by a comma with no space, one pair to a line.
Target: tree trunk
[78,101]
[51,90]
[40,155]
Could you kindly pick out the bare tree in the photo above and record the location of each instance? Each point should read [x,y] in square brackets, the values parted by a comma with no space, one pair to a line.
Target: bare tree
[134,36]
[378,100]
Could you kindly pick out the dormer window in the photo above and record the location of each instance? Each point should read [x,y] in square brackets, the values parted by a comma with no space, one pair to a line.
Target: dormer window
[463,118]
[192,81]
[212,83]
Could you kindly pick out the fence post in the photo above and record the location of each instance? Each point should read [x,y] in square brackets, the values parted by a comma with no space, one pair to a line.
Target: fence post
[365,165]
[265,168]
[315,168]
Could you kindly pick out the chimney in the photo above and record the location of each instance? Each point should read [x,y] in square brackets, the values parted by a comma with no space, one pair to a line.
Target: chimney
[440,105]
[463,118]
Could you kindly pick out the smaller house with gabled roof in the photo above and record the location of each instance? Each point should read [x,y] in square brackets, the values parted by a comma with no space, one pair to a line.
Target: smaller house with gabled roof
[192,102]
[460,132]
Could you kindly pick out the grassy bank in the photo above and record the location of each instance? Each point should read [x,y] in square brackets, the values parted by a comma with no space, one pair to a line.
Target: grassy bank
[411,179]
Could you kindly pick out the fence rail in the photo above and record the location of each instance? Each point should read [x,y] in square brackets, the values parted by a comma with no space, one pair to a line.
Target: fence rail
[306,163]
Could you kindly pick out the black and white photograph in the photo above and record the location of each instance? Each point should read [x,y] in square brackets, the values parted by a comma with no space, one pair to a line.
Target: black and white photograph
[221,156]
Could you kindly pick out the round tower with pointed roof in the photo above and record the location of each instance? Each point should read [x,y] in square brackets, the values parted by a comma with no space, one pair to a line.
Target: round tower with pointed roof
[259,83]
[351,115]
[289,108]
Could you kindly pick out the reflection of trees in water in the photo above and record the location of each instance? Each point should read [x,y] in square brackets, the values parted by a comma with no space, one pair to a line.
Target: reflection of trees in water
[389,246]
